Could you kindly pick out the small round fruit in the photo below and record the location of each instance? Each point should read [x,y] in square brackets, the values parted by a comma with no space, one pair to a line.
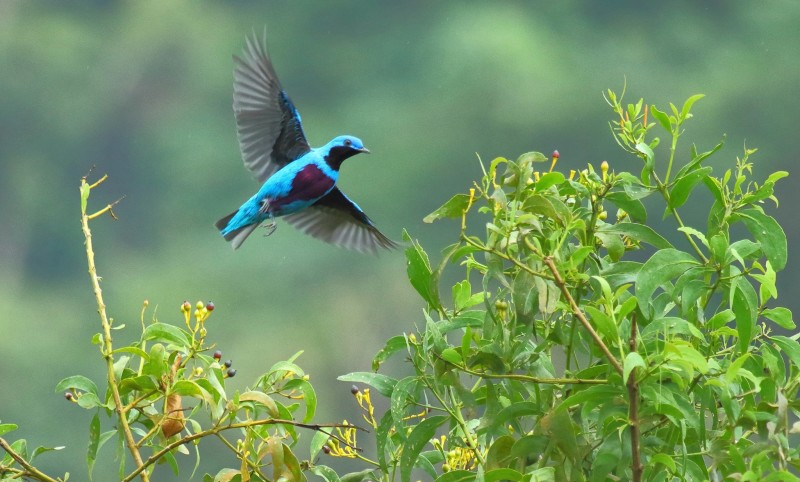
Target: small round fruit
[231,372]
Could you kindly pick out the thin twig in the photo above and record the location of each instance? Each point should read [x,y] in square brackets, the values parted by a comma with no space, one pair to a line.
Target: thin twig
[30,470]
[579,314]
[633,410]
[107,344]
[529,378]
[220,428]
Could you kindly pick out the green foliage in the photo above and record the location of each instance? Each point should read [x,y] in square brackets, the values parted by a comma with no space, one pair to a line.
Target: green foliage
[165,393]
[581,344]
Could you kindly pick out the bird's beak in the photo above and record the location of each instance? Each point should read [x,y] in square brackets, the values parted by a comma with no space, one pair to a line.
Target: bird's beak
[364,150]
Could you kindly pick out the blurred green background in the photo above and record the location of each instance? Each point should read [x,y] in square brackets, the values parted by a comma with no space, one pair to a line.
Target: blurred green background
[143,90]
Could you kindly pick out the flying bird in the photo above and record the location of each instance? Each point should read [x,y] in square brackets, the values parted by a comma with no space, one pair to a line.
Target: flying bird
[299,182]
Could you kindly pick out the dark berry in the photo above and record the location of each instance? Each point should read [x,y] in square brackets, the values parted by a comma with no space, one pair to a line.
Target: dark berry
[354,389]
[231,372]
[217,355]
[326,449]
[210,306]
[228,363]
[69,396]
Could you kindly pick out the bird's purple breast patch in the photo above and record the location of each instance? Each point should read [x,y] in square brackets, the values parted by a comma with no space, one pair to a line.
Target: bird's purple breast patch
[310,184]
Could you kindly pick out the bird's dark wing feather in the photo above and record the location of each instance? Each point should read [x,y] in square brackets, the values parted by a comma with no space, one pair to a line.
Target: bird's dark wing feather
[268,125]
[337,220]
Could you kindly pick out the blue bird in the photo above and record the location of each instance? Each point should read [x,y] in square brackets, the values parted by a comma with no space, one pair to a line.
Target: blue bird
[299,182]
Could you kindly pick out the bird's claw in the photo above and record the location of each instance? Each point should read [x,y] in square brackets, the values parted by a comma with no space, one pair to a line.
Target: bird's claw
[271,227]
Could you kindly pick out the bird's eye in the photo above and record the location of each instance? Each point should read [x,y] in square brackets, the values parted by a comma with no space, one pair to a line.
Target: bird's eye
[348,142]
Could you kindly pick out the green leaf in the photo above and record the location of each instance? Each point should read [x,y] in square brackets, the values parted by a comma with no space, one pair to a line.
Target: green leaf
[744,306]
[497,475]
[383,384]
[687,106]
[693,232]
[420,273]
[613,243]
[144,382]
[261,398]
[94,440]
[558,426]
[685,185]
[7,427]
[768,233]
[604,323]
[188,388]
[453,208]
[548,180]
[20,447]
[632,361]
[228,475]
[661,117]
[664,460]
[420,436]
[402,396]
[629,204]
[670,326]
[452,356]
[325,472]
[539,204]
[638,232]
[645,150]
[471,319]
[790,347]
[393,345]
[167,333]
[309,396]
[318,441]
[77,382]
[683,351]
[85,190]
[663,266]
[287,366]
[781,316]
[594,394]
[457,476]
[721,319]
[133,350]
[362,476]
[516,410]
[40,450]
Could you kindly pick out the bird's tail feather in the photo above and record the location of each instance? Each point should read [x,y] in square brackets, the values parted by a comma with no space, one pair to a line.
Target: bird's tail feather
[237,236]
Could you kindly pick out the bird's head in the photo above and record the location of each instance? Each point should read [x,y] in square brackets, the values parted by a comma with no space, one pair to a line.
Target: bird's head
[342,147]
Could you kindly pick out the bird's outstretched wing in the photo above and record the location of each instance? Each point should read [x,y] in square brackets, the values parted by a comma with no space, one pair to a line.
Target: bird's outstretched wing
[337,220]
[268,125]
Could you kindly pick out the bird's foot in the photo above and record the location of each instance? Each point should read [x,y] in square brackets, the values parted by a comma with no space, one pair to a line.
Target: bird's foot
[271,227]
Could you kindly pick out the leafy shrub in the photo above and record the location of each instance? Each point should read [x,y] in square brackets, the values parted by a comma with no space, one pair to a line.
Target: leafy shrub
[593,347]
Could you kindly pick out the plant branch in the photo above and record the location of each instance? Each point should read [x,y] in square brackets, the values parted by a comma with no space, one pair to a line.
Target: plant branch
[579,314]
[107,343]
[504,256]
[633,410]
[29,469]
[220,428]
[529,378]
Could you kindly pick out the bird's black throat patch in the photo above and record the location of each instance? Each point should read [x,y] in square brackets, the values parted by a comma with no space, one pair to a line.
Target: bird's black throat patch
[338,154]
